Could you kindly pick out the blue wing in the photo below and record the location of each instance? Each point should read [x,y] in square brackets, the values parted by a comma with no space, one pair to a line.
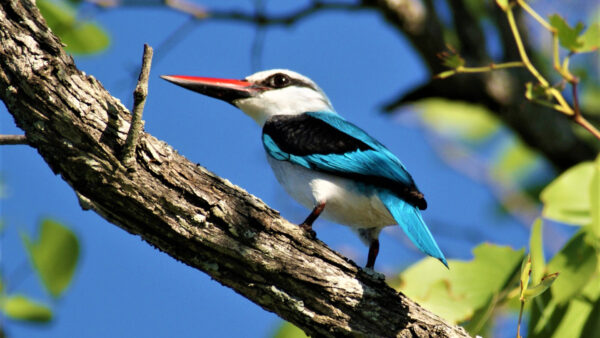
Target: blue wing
[378,161]
[326,142]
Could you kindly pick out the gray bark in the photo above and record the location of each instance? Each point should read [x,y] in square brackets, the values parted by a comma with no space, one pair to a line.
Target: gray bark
[181,208]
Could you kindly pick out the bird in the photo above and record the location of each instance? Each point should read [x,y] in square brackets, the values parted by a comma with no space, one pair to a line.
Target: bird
[327,164]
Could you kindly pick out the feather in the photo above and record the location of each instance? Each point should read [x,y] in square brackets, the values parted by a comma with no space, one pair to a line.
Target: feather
[326,142]
[410,220]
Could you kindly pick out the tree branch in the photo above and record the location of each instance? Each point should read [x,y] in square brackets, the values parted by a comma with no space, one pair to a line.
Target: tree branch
[502,92]
[540,128]
[181,208]
[13,139]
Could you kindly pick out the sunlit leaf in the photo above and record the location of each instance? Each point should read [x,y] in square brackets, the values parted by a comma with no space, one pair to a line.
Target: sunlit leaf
[457,293]
[567,36]
[502,4]
[463,121]
[540,288]
[536,250]
[54,255]
[22,308]
[590,39]
[79,37]
[480,324]
[525,271]
[592,324]
[595,199]
[515,161]
[567,198]
[535,92]
[289,330]
[451,58]
[590,98]
[576,262]
[571,323]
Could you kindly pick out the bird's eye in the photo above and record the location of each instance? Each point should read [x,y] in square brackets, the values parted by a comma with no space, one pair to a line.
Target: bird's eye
[279,81]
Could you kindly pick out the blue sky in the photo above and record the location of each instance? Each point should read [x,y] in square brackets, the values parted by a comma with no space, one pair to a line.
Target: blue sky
[126,288]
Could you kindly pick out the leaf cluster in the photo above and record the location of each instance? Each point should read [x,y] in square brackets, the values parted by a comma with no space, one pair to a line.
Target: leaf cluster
[79,37]
[53,256]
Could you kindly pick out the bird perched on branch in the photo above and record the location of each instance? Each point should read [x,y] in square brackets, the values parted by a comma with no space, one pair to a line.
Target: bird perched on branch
[326,163]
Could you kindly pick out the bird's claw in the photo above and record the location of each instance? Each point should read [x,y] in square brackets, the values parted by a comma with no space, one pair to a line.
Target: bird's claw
[308,230]
[371,272]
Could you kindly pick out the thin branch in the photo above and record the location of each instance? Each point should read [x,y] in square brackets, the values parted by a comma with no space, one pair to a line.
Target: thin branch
[258,18]
[521,48]
[578,118]
[286,19]
[139,100]
[13,139]
[483,69]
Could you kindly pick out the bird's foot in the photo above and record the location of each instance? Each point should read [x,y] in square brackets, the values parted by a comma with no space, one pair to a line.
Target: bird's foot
[308,230]
[371,272]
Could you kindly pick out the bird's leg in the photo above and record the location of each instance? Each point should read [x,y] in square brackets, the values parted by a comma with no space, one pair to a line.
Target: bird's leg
[307,224]
[373,251]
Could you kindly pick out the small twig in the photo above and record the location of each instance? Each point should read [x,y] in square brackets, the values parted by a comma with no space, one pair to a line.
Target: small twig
[578,118]
[13,139]
[139,100]
[520,318]
[521,48]
[484,69]
[536,16]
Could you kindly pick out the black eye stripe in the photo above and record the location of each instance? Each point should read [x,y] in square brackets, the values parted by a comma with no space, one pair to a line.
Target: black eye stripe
[285,80]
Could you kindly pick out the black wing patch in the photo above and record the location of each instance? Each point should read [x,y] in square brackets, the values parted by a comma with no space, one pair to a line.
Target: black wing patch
[303,135]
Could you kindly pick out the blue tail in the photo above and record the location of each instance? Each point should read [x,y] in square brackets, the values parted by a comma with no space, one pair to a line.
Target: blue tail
[410,220]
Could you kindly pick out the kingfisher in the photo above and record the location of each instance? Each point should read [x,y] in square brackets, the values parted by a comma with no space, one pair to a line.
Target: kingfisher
[324,162]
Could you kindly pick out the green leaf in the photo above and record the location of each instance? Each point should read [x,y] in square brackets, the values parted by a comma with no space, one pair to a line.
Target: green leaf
[567,198]
[289,330]
[79,37]
[536,250]
[535,92]
[54,255]
[537,290]
[456,294]
[592,325]
[590,39]
[452,59]
[595,200]
[572,322]
[576,262]
[502,4]
[462,121]
[525,271]
[22,308]
[567,36]
[515,162]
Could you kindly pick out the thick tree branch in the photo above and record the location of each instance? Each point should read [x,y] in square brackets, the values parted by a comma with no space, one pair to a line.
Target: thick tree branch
[181,208]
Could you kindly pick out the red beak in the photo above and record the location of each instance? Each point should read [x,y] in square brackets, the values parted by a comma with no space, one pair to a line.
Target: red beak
[222,89]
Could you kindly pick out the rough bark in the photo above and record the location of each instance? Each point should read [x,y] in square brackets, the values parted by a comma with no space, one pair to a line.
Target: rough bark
[181,208]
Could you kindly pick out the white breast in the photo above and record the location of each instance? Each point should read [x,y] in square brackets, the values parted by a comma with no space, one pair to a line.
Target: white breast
[347,202]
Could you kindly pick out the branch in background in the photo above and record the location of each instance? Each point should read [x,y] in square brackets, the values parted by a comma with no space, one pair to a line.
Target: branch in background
[419,22]
[183,209]
[13,139]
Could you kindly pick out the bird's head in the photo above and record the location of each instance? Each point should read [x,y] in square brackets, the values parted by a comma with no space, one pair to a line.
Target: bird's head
[263,94]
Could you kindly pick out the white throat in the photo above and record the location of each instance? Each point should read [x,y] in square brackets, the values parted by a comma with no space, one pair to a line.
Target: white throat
[291,100]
